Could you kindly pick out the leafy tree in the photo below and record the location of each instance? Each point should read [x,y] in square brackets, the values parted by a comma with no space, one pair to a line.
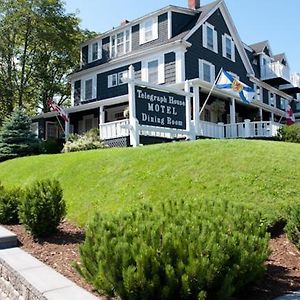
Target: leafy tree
[16,138]
[38,48]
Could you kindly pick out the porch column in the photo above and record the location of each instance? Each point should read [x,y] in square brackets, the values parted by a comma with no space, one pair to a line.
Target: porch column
[189,128]
[233,130]
[272,117]
[196,108]
[101,120]
[261,114]
[67,128]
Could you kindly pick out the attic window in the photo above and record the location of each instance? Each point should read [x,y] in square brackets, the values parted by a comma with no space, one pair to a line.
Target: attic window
[120,43]
[210,37]
[149,30]
[228,47]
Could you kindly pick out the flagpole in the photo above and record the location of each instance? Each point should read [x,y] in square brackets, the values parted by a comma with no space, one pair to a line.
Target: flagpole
[210,92]
[60,125]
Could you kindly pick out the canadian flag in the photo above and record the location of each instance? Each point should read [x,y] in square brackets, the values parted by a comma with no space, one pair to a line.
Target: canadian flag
[290,117]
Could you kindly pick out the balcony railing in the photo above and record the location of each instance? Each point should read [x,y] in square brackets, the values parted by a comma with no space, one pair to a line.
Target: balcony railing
[295,79]
[275,70]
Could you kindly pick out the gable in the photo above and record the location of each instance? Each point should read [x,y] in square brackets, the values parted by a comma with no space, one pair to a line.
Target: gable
[220,14]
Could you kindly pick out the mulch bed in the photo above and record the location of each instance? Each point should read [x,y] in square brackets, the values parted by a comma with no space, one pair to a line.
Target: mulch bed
[62,250]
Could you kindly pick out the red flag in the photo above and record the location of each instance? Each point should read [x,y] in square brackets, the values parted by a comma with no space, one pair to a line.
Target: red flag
[290,117]
[61,112]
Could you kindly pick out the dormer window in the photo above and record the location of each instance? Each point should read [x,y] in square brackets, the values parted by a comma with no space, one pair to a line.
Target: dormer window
[120,43]
[149,30]
[228,47]
[210,37]
[96,51]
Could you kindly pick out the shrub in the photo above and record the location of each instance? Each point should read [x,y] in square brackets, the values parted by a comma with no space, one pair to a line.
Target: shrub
[88,141]
[42,208]
[290,133]
[9,205]
[178,250]
[52,146]
[292,227]
[16,138]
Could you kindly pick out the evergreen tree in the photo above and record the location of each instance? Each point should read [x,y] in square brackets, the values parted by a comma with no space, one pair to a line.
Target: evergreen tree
[16,138]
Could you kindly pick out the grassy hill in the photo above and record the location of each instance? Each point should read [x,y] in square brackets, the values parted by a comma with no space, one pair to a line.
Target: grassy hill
[263,175]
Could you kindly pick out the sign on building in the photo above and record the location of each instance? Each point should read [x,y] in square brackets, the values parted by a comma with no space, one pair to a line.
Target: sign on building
[159,108]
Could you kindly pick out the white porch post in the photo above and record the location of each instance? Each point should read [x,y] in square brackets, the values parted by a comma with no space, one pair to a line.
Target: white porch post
[134,128]
[196,108]
[247,128]
[233,118]
[101,120]
[272,117]
[261,114]
[67,128]
[189,129]
[180,66]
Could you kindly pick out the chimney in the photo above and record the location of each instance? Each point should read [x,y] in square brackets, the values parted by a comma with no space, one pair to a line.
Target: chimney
[194,4]
[124,22]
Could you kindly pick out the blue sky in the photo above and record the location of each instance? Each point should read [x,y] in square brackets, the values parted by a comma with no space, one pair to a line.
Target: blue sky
[256,20]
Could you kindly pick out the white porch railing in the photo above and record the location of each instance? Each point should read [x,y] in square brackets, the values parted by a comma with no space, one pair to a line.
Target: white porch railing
[274,70]
[114,130]
[246,129]
[209,129]
[251,129]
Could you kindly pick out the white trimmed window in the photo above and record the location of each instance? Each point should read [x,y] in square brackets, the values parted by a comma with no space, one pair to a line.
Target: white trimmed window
[120,43]
[283,103]
[96,51]
[153,70]
[228,47]
[259,93]
[210,37]
[112,80]
[206,71]
[121,76]
[88,89]
[149,30]
[272,99]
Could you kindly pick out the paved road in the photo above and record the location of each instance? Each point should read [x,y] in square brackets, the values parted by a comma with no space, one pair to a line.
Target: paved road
[293,296]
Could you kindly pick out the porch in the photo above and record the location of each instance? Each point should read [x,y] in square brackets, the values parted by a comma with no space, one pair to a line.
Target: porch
[246,129]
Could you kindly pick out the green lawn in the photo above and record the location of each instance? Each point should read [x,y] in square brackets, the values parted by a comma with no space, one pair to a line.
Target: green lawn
[263,175]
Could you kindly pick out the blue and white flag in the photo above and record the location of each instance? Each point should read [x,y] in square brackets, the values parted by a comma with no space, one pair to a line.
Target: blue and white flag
[227,81]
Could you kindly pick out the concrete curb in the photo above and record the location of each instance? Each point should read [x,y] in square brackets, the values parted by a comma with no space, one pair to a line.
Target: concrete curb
[24,277]
[7,239]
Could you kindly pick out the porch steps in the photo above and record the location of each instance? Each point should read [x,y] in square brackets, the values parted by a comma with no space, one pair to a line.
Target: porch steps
[7,239]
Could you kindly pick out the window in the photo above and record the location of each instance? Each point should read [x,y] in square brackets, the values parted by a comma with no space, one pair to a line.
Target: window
[121,76]
[258,93]
[51,130]
[149,30]
[153,70]
[210,37]
[283,103]
[112,80]
[271,99]
[206,71]
[228,47]
[96,51]
[120,43]
[88,95]
[297,105]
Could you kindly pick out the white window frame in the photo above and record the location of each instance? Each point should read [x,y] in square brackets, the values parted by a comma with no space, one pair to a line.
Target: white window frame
[115,36]
[154,21]
[259,93]
[110,81]
[226,37]
[284,102]
[56,128]
[85,82]
[272,100]
[83,87]
[215,37]
[212,70]
[123,74]
[161,68]
[99,52]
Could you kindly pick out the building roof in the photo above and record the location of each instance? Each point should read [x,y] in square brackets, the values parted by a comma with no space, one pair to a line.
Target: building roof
[279,57]
[259,47]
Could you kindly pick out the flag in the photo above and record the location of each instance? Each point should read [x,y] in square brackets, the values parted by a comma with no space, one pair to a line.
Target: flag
[227,81]
[61,112]
[289,115]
